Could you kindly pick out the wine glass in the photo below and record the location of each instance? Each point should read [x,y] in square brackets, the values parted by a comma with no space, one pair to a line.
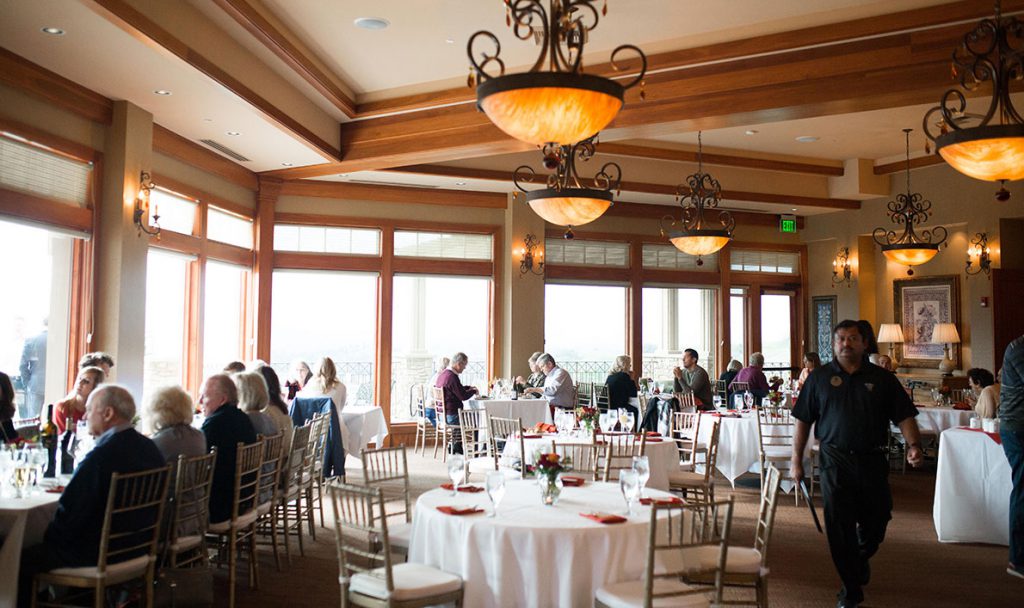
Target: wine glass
[456,471]
[22,473]
[748,400]
[628,483]
[38,458]
[495,484]
[606,420]
[624,417]
[630,421]
[6,468]
[642,467]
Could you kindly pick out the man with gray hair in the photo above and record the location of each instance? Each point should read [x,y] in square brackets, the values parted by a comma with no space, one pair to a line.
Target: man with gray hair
[454,394]
[558,387]
[73,537]
[753,376]
[225,427]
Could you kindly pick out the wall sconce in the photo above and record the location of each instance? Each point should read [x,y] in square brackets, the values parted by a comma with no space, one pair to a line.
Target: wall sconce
[146,185]
[979,249]
[841,270]
[532,256]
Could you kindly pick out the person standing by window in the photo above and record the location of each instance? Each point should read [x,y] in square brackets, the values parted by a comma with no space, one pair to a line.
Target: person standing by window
[33,373]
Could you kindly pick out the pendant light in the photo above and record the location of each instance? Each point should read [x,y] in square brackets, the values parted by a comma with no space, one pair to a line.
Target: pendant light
[561,104]
[693,234]
[912,247]
[987,146]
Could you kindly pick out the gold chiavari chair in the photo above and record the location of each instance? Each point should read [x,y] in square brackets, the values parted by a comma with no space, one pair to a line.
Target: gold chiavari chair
[615,453]
[686,434]
[424,429]
[580,458]
[500,431]
[269,489]
[190,511]
[444,432]
[473,428]
[289,503]
[388,469]
[700,485]
[240,528]
[775,431]
[584,394]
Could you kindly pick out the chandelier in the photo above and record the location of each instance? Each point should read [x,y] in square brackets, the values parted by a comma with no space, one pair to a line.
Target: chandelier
[912,247]
[692,234]
[987,146]
[561,104]
[567,201]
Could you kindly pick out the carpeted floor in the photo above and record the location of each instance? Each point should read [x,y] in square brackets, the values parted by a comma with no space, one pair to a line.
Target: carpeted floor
[912,569]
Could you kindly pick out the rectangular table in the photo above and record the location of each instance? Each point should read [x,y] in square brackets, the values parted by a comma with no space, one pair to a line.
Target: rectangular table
[972,489]
[529,411]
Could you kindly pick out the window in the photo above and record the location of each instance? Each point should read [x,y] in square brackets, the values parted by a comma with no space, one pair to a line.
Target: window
[229,228]
[322,239]
[30,168]
[166,336]
[177,213]
[776,339]
[34,313]
[436,317]
[324,313]
[585,328]
[778,262]
[738,324]
[223,316]
[668,257]
[675,319]
[443,245]
[586,253]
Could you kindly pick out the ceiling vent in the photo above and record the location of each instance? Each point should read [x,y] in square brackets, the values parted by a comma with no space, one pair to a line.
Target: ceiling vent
[226,151]
[369,182]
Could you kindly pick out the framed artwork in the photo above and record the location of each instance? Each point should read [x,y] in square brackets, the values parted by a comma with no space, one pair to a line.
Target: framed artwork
[918,305]
[824,309]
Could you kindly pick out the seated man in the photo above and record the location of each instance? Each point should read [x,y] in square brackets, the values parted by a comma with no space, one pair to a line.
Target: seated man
[754,377]
[694,379]
[225,427]
[72,539]
[558,387]
[454,394]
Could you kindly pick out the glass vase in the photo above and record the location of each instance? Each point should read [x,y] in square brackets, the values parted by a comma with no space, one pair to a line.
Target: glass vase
[550,488]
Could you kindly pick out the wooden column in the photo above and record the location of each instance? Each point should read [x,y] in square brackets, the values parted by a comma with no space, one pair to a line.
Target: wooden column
[635,308]
[382,370]
[724,311]
[263,270]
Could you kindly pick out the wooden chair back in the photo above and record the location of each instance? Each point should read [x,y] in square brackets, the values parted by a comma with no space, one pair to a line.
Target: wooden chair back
[295,461]
[473,426]
[687,402]
[133,515]
[248,460]
[500,431]
[615,453]
[686,434]
[270,470]
[361,538]
[584,394]
[388,470]
[582,457]
[601,400]
[775,426]
[438,405]
[190,508]
[766,511]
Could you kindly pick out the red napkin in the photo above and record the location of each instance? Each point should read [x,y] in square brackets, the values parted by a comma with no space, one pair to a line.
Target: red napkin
[570,481]
[995,436]
[670,500]
[653,440]
[448,510]
[653,434]
[55,490]
[961,406]
[470,489]
[605,518]
[532,436]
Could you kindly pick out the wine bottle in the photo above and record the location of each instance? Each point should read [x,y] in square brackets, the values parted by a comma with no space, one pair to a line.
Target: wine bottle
[48,437]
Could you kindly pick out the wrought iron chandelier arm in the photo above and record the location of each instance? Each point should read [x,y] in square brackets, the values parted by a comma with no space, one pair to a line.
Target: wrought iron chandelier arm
[530,21]
[936,235]
[884,237]
[625,48]
[609,177]
[480,67]
[524,174]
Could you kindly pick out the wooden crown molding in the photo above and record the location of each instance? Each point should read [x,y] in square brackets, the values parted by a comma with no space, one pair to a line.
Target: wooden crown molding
[171,144]
[726,160]
[34,79]
[44,211]
[915,163]
[394,194]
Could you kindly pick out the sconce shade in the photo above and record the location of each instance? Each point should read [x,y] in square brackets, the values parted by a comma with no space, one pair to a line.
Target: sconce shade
[571,207]
[945,333]
[890,333]
[912,255]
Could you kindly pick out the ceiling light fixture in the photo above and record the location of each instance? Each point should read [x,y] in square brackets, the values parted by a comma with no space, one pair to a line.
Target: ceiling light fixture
[233,133]
[371,23]
[911,248]
[751,132]
[692,234]
[989,147]
[53,31]
[566,201]
[561,105]
[286,164]
[807,139]
[163,92]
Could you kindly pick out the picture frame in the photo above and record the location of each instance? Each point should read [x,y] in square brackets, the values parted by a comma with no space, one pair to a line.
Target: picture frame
[918,304]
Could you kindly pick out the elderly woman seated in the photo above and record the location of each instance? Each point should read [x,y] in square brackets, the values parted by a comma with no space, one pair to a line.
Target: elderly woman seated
[168,415]
[985,387]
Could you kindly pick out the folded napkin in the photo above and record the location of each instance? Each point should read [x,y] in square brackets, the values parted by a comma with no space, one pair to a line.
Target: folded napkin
[653,434]
[653,440]
[532,436]
[605,518]
[470,489]
[571,481]
[666,500]
[449,510]
[962,406]
[995,436]
[55,490]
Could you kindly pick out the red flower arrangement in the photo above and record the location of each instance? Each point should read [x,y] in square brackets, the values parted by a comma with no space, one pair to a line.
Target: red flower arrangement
[587,417]
[549,465]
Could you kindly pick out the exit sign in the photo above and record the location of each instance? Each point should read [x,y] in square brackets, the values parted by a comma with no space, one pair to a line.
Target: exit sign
[787,223]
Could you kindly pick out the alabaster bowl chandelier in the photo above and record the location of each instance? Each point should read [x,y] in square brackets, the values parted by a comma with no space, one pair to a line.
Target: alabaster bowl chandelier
[699,197]
[567,199]
[554,102]
[987,146]
[912,246]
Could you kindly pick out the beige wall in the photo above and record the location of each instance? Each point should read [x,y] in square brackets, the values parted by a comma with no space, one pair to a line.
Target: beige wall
[201,180]
[16,105]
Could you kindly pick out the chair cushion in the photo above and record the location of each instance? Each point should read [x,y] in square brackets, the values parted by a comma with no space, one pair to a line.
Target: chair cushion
[775,452]
[738,560]
[412,581]
[631,594]
[222,527]
[185,543]
[685,479]
[399,535]
[135,566]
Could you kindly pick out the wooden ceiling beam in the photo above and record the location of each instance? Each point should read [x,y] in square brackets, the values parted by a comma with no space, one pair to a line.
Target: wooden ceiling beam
[915,163]
[726,160]
[34,79]
[171,144]
[394,194]
[656,212]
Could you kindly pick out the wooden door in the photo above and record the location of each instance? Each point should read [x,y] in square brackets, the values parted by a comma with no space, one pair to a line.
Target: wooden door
[1007,320]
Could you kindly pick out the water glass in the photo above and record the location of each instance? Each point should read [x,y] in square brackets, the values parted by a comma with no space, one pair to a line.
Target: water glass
[629,482]
[642,467]
[748,400]
[495,485]
[456,471]
[624,416]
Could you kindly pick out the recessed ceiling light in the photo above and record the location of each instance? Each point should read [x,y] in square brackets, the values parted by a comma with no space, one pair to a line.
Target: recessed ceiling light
[750,132]
[207,120]
[449,40]
[233,133]
[793,209]
[286,164]
[163,92]
[343,175]
[460,183]
[807,139]
[371,23]
[53,31]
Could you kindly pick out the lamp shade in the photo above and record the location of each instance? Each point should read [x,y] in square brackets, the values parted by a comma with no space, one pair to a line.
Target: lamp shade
[572,207]
[910,255]
[699,242]
[989,153]
[945,333]
[890,333]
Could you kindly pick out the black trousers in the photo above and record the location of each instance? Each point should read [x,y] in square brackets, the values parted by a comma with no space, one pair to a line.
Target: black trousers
[858,507]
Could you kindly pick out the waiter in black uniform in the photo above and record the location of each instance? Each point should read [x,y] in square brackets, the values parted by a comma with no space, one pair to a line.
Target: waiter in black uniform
[851,402]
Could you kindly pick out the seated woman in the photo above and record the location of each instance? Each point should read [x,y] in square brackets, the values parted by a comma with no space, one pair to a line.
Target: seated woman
[253,398]
[622,387]
[811,362]
[8,434]
[986,388]
[168,415]
[276,407]
[67,412]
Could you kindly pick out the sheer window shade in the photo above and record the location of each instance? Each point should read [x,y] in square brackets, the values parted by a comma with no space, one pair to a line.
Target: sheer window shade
[586,253]
[668,257]
[443,245]
[778,262]
[30,169]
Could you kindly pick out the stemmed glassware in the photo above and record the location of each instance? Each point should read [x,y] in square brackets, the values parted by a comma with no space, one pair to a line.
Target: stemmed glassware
[37,459]
[624,418]
[629,483]
[606,420]
[642,468]
[456,471]
[748,400]
[495,484]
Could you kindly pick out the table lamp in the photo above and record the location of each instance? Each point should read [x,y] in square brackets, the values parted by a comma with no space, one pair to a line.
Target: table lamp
[891,334]
[946,335]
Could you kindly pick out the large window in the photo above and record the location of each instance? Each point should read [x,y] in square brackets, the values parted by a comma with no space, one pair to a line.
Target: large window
[224,316]
[164,357]
[776,323]
[325,239]
[229,228]
[325,313]
[585,328]
[436,317]
[34,313]
[675,319]
[737,325]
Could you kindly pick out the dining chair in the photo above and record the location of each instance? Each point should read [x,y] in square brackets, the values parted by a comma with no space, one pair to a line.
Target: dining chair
[584,394]
[289,509]
[317,487]
[615,453]
[687,402]
[445,432]
[473,429]
[500,431]
[601,399]
[388,469]
[687,546]
[365,570]
[229,534]
[268,490]
[722,390]
[579,458]
[190,511]
[424,428]
[686,434]
[129,541]
[775,429]
[700,485]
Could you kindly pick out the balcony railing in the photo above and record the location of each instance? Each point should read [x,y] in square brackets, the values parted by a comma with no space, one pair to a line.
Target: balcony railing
[357,376]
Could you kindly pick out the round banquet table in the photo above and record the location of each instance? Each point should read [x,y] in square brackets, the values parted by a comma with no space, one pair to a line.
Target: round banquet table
[531,554]
[22,524]
[931,419]
[364,424]
[972,489]
[529,411]
[662,456]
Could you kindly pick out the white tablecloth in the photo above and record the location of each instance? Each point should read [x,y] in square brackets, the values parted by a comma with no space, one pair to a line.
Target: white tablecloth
[739,444]
[663,457]
[972,489]
[530,554]
[22,524]
[937,419]
[530,411]
[364,424]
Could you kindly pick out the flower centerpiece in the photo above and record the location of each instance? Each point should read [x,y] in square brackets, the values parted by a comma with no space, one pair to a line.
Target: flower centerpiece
[775,398]
[549,469]
[945,394]
[587,418]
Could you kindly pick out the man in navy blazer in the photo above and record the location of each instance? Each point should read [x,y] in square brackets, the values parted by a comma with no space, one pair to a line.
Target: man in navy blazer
[225,427]
[72,539]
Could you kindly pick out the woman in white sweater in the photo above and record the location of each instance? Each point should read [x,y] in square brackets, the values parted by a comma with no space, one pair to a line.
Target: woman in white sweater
[326,384]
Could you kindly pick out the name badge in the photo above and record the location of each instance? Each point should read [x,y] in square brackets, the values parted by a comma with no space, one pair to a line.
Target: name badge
[836,381]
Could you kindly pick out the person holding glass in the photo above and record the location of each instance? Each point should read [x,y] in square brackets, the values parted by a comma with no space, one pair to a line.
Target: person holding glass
[168,415]
[71,409]
[693,378]
[536,378]
[622,387]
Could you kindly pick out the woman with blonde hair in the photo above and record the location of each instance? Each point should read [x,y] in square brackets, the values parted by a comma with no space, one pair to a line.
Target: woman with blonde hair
[325,383]
[253,397]
[71,409]
[168,415]
[622,386]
